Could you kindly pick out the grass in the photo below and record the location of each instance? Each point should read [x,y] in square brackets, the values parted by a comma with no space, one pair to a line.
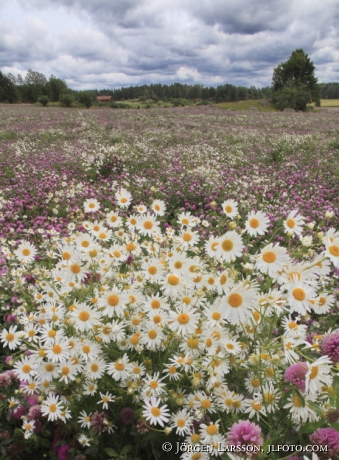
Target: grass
[247,105]
[329,102]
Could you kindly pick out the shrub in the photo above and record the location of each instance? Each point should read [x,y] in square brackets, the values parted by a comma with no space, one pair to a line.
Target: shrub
[66,100]
[85,99]
[43,100]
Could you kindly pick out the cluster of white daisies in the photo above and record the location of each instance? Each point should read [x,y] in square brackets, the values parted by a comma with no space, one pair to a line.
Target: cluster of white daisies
[121,292]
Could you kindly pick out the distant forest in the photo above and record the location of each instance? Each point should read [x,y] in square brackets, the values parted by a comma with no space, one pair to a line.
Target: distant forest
[222,93]
[35,85]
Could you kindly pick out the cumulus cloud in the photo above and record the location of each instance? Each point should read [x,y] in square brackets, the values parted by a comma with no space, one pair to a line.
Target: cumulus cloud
[107,43]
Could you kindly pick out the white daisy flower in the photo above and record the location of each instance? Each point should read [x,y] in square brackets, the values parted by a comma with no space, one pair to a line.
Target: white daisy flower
[52,407]
[105,399]
[113,219]
[257,223]
[25,368]
[84,440]
[153,385]
[85,420]
[182,421]
[186,219]
[95,369]
[332,250]
[158,207]
[184,320]
[120,369]
[91,205]
[230,208]
[299,297]
[25,252]
[58,351]
[230,246]
[272,259]
[10,337]
[68,371]
[85,317]
[209,432]
[238,304]
[318,374]
[147,225]
[123,198]
[112,303]
[294,223]
[154,413]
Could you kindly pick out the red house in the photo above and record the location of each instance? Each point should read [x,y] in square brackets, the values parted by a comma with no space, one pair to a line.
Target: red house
[104,98]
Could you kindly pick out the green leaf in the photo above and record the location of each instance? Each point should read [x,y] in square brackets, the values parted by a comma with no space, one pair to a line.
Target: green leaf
[126,450]
[335,425]
[310,427]
[335,385]
[111,452]
[285,397]
[316,408]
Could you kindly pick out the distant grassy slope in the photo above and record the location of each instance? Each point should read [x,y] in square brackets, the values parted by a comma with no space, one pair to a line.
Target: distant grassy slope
[245,105]
[329,102]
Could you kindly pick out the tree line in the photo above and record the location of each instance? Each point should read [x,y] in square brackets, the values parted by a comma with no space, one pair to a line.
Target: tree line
[293,85]
[35,86]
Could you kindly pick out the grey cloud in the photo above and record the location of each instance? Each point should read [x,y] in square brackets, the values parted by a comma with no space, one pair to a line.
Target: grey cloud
[123,42]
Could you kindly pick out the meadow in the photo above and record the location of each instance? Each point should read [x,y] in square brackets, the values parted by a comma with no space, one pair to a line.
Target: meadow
[169,275]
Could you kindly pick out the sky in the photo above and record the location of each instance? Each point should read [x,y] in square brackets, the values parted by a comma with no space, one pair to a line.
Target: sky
[114,43]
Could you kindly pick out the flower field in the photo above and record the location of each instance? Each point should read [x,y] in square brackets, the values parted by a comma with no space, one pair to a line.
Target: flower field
[169,277]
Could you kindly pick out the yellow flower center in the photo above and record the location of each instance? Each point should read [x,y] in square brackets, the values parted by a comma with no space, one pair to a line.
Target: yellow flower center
[314,372]
[155,304]
[187,237]
[75,269]
[152,334]
[148,225]
[290,223]
[256,405]
[269,257]
[227,245]
[334,250]
[155,411]
[83,316]
[254,223]
[212,430]
[297,401]
[57,349]
[299,294]
[119,366]
[173,280]
[183,318]
[113,300]
[235,300]
[52,407]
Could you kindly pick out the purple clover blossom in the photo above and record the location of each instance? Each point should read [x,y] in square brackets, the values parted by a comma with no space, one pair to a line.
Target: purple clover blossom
[34,412]
[245,433]
[327,437]
[98,422]
[296,374]
[5,380]
[329,346]
[127,415]
[18,412]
